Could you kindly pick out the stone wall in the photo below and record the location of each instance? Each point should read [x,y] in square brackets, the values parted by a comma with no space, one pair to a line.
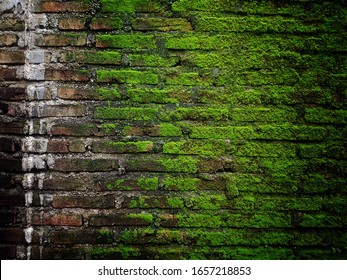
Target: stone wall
[187,129]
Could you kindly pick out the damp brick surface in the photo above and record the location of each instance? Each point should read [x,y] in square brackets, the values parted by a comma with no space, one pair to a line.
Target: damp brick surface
[200,129]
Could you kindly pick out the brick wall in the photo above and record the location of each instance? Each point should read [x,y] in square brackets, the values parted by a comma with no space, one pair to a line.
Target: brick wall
[159,129]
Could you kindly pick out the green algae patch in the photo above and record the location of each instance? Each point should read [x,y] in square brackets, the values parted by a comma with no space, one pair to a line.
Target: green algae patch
[126,41]
[169,130]
[148,218]
[130,6]
[185,164]
[132,113]
[127,76]
[181,183]
[149,184]
[118,252]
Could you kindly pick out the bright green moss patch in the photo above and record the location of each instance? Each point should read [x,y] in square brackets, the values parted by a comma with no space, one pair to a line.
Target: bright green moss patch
[168,129]
[181,183]
[196,113]
[132,113]
[107,93]
[122,147]
[127,76]
[326,116]
[118,252]
[152,60]
[185,164]
[267,150]
[145,217]
[264,114]
[151,95]
[126,41]
[129,6]
[148,183]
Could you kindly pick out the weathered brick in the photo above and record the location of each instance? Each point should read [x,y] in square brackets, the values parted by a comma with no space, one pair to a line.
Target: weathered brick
[72,23]
[57,146]
[12,127]
[85,164]
[11,24]
[67,75]
[8,74]
[120,220]
[66,182]
[62,40]
[57,219]
[162,24]
[13,57]
[59,111]
[83,201]
[12,93]
[106,23]
[8,252]
[74,129]
[82,237]
[59,7]
[7,40]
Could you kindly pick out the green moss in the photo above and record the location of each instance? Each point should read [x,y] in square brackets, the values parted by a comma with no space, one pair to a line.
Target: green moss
[188,79]
[129,6]
[207,201]
[127,76]
[185,164]
[175,202]
[181,183]
[148,183]
[108,93]
[326,116]
[132,113]
[198,113]
[114,23]
[131,41]
[151,95]
[152,60]
[118,184]
[220,132]
[199,221]
[169,130]
[119,252]
[145,217]
[108,128]
[264,114]
[104,236]
[267,150]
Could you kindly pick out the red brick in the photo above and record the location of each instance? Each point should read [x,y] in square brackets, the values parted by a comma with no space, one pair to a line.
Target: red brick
[63,40]
[57,146]
[74,93]
[57,219]
[83,201]
[8,74]
[14,57]
[72,23]
[66,75]
[58,7]
[7,40]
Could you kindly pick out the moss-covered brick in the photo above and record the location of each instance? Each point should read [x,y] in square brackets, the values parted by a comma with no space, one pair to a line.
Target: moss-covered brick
[181,183]
[196,113]
[322,220]
[206,201]
[264,184]
[126,41]
[127,76]
[185,164]
[257,23]
[325,116]
[106,23]
[160,202]
[188,79]
[131,113]
[203,148]
[129,184]
[320,183]
[263,114]
[266,150]
[313,203]
[122,147]
[161,24]
[91,57]
[130,6]
[152,60]
[221,132]
[169,130]
[107,93]
[152,95]
[331,150]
